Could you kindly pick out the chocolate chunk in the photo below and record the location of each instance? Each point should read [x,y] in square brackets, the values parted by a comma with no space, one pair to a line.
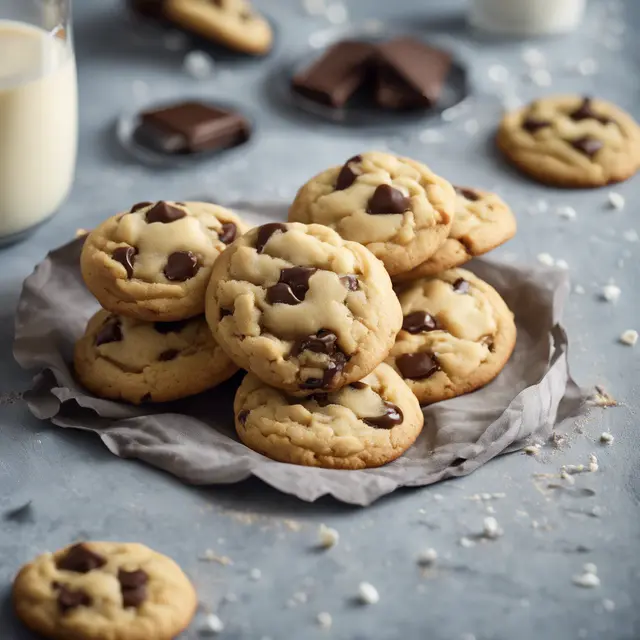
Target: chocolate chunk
[323,342]
[416,365]
[350,282]
[298,279]
[322,399]
[419,322]
[266,231]
[191,127]
[468,194]
[165,213]
[585,112]
[140,205]
[587,145]
[69,599]
[181,266]
[334,369]
[337,74]
[170,327]
[133,586]
[111,331]
[386,199]
[532,125]
[391,417]
[242,416]
[281,293]
[169,354]
[126,256]
[358,385]
[348,173]
[80,559]
[147,397]
[225,312]
[228,233]
[461,286]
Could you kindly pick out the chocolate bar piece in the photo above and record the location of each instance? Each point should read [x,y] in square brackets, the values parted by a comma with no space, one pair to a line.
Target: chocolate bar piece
[337,75]
[410,73]
[190,127]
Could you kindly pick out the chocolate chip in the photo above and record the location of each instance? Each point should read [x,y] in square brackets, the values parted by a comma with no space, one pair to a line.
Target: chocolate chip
[585,112]
[461,286]
[170,327]
[80,559]
[225,312]
[419,322]
[68,599]
[391,417]
[111,331]
[281,293]
[266,231]
[350,282]
[165,213]
[358,385]
[468,194]
[181,266]
[322,399]
[169,354]
[126,256]
[347,175]
[228,233]
[133,587]
[386,199]
[587,145]
[532,125]
[146,398]
[140,205]
[298,279]
[334,369]
[242,417]
[416,365]
[323,342]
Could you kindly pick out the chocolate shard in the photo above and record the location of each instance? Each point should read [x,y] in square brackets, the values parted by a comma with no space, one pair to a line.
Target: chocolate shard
[133,586]
[391,417]
[181,266]
[419,322]
[586,112]
[461,286]
[71,599]
[387,200]
[266,231]
[111,331]
[588,145]
[416,366]
[80,559]
[348,174]
[228,233]
[468,194]
[322,342]
[126,256]
[532,124]
[165,213]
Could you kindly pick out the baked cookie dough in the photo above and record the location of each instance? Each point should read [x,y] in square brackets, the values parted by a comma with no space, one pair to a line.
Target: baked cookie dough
[104,591]
[365,424]
[154,261]
[301,308]
[571,141]
[482,222]
[232,23]
[457,335]
[397,207]
[126,359]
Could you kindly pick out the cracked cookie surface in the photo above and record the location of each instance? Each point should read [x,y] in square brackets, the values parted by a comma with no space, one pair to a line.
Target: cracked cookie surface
[301,308]
[104,591]
[397,207]
[125,359]
[365,424]
[153,262]
[572,141]
[456,336]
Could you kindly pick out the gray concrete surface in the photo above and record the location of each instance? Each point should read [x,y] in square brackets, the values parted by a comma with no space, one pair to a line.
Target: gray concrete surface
[516,587]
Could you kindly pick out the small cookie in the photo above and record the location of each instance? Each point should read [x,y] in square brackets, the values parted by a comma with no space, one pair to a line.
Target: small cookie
[397,207]
[153,262]
[104,591]
[126,359]
[365,424]
[457,335]
[482,222]
[301,308]
[232,23]
[569,141]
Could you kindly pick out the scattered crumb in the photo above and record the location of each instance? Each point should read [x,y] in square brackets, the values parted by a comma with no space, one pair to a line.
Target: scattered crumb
[606,438]
[540,77]
[498,73]
[630,235]
[255,574]
[430,136]
[596,511]
[593,463]
[532,449]
[210,556]
[467,543]
[327,537]
[490,509]
[587,67]
[486,496]
[438,497]
[546,259]
[337,13]
[602,398]
[324,620]
[199,65]
[562,264]
[212,625]
[292,525]
[471,126]
[491,529]
[427,557]
[533,57]
[568,213]
[579,289]
[81,232]
[367,593]
[589,567]
[616,200]
[422,511]
[572,469]
[608,605]
[541,206]
[629,337]
[586,580]
[564,475]
[611,293]
[300,596]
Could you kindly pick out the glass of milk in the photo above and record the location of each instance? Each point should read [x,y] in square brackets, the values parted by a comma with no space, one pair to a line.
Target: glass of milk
[38,112]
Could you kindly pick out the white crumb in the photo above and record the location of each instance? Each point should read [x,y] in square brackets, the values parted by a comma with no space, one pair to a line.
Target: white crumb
[491,529]
[300,596]
[498,73]
[367,593]
[540,206]
[611,293]
[490,509]
[562,264]
[212,625]
[616,200]
[533,57]
[427,557]
[532,449]
[540,77]
[337,13]
[316,40]
[564,475]
[596,511]
[546,259]
[430,136]
[175,41]
[324,620]
[589,567]
[467,543]
[314,7]
[438,497]
[629,337]
[572,469]
[608,605]
[631,235]
[566,212]
[211,556]
[471,126]
[327,537]
[579,289]
[255,574]
[593,463]
[587,67]
[606,438]
[586,580]
[199,65]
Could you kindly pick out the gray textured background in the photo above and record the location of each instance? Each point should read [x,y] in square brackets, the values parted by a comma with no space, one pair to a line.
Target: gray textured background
[518,586]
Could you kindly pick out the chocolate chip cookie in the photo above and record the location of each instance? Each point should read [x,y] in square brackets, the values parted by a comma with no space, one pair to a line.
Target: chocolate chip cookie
[397,207]
[482,222]
[365,424]
[572,141]
[456,336]
[154,261]
[104,591]
[126,359]
[301,308]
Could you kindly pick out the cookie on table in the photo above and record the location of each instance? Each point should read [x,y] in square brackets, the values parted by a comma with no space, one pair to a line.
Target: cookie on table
[365,424]
[457,335]
[232,23]
[125,359]
[397,207]
[302,308]
[104,591]
[482,222]
[154,261]
[571,141]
